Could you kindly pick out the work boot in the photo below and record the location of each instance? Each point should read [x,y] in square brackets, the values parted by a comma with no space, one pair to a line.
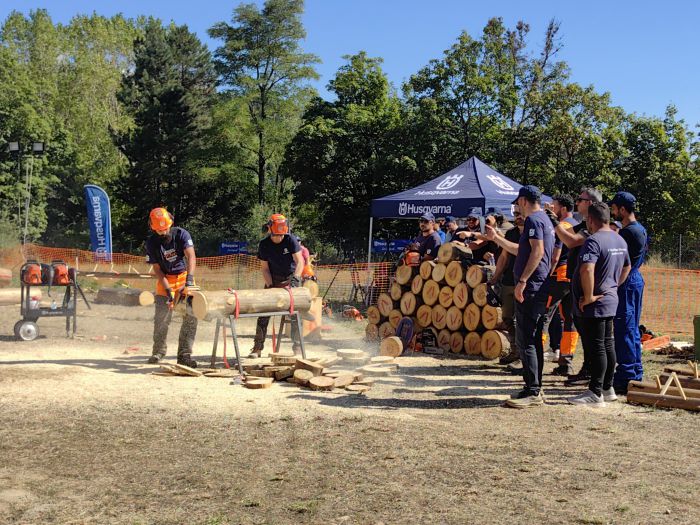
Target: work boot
[581,379]
[155,359]
[509,358]
[566,366]
[186,359]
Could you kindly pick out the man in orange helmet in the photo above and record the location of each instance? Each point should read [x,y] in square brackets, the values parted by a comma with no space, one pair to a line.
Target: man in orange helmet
[171,252]
[282,266]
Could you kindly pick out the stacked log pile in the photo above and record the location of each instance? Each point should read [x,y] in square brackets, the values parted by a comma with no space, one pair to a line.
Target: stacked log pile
[447,296]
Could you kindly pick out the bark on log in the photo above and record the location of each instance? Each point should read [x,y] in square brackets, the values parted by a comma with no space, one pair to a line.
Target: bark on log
[653,388]
[665,401]
[438,274]
[445,297]
[494,344]
[405,273]
[417,285]
[431,291]
[443,339]
[460,295]
[453,251]
[10,296]
[472,318]
[396,291]
[479,295]
[439,317]
[426,269]
[478,274]
[492,317]
[689,382]
[472,343]
[409,303]
[394,318]
[222,303]
[454,318]
[454,274]
[456,342]
[385,304]
[424,315]
[374,316]
[391,346]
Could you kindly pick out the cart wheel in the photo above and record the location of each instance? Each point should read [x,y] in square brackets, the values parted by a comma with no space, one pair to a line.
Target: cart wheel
[26,330]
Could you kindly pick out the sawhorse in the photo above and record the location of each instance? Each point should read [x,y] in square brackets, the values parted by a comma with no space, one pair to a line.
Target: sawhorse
[285,317]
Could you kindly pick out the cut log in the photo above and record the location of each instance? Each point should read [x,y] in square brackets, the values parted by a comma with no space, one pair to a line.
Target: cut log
[453,251]
[494,344]
[394,317]
[426,269]
[395,291]
[686,381]
[391,346]
[359,389]
[665,401]
[371,332]
[438,274]
[478,274]
[321,383]
[454,318]
[445,297]
[374,316]
[312,286]
[258,383]
[385,304]
[5,277]
[124,297]
[405,273]
[222,303]
[431,291]
[472,343]
[305,364]
[302,376]
[479,294]
[439,317]
[343,380]
[443,339]
[409,303]
[460,295]
[653,388]
[456,342]
[9,296]
[386,330]
[492,317]
[283,373]
[417,285]
[424,315]
[454,274]
[472,318]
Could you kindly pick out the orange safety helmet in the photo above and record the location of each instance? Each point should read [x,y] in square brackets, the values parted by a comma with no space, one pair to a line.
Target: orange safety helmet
[278,224]
[160,219]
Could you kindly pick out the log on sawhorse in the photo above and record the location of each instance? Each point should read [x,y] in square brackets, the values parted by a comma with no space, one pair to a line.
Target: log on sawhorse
[670,394]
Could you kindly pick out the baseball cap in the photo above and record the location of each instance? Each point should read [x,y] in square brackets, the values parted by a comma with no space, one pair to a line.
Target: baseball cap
[624,198]
[428,216]
[450,219]
[529,192]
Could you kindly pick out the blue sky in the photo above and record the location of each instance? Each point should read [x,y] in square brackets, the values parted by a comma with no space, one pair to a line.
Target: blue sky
[645,53]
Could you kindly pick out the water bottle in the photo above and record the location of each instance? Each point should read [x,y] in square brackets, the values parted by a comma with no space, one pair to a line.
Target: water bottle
[34,303]
[53,304]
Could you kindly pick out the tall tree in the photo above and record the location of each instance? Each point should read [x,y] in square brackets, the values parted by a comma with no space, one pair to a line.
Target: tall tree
[261,61]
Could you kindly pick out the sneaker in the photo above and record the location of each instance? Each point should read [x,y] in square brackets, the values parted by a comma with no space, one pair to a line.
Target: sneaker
[580,379]
[515,368]
[609,395]
[186,359]
[552,356]
[512,357]
[588,398]
[155,359]
[519,395]
[526,402]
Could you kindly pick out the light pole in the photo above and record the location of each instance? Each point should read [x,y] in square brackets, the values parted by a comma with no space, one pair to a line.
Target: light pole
[13,149]
[37,148]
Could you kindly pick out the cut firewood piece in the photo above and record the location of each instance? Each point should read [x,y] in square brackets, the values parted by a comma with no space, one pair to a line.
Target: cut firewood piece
[417,285]
[5,277]
[332,374]
[460,295]
[494,344]
[439,316]
[327,362]
[343,380]
[349,352]
[283,359]
[359,376]
[374,316]
[472,317]
[385,304]
[371,332]
[377,359]
[456,342]
[478,274]
[187,370]
[357,388]
[376,370]
[271,371]
[257,373]
[222,373]
[438,274]
[424,315]
[365,381]
[453,251]
[454,319]
[394,318]
[443,339]
[391,346]
[258,382]
[426,269]
[302,376]
[454,274]
[431,292]
[405,273]
[492,317]
[305,364]
[395,291]
[472,343]
[479,295]
[124,297]
[386,330]
[321,383]
[445,297]
[409,303]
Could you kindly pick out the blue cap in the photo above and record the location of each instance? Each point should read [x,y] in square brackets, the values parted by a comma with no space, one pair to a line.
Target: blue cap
[450,219]
[428,216]
[626,199]
[531,193]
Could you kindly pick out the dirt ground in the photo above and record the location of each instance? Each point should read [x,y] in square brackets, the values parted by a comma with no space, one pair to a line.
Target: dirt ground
[88,435]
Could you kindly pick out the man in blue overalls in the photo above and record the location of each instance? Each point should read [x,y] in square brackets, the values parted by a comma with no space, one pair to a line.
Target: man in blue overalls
[628,345]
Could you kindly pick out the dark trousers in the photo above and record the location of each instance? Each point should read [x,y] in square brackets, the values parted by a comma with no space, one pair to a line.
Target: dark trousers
[529,321]
[598,350]
[263,322]
[161,323]
[559,315]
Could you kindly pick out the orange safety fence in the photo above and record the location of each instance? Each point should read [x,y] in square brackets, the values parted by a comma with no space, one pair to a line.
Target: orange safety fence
[671,297]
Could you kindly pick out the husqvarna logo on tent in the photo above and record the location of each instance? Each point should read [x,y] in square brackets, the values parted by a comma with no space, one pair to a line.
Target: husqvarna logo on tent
[407,208]
[450,182]
[403,208]
[498,181]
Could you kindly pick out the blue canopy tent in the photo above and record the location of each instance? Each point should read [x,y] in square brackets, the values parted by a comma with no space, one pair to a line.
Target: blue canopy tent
[471,186]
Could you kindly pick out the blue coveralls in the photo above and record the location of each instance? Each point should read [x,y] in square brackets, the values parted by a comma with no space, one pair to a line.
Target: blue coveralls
[628,344]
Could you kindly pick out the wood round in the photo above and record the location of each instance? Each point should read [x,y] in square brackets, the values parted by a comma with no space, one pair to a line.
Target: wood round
[456,342]
[460,295]
[443,339]
[454,274]
[472,317]
[395,291]
[404,274]
[391,346]
[479,295]
[478,274]
[349,353]
[394,317]
[409,303]
[439,317]
[374,316]
[454,318]
[386,330]
[302,376]
[494,344]
[453,251]
[426,269]
[439,273]
[445,297]
[371,332]
[312,286]
[492,317]
[424,315]
[385,304]
[322,383]
[431,291]
[417,285]
[472,343]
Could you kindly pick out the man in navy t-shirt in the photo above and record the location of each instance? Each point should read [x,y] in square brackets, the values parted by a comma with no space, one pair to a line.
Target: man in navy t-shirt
[282,266]
[533,255]
[603,264]
[428,241]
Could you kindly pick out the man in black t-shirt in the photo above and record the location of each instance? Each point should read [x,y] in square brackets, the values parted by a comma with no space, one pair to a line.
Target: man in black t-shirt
[282,266]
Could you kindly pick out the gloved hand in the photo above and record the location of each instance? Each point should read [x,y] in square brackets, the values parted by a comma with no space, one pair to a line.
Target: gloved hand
[552,217]
[171,298]
[295,282]
[189,281]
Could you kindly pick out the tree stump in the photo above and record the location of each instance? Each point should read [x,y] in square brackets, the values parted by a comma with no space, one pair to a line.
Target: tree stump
[478,274]
[431,292]
[405,273]
[472,318]
[472,343]
[385,304]
[456,342]
[445,297]
[439,317]
[438,274]
[391,346]
[494,344]
[424,315]
[454,318]
[426,269]
[460,295]
[492,317]
[479,295]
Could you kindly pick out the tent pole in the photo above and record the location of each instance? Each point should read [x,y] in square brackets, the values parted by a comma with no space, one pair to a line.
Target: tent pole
[368,299]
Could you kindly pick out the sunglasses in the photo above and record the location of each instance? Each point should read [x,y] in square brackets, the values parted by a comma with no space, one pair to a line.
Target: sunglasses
[517,214]
[582,199]
[423,220]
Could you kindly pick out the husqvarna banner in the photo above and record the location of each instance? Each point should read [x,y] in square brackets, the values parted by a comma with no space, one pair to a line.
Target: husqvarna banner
[100,221]
[458,192]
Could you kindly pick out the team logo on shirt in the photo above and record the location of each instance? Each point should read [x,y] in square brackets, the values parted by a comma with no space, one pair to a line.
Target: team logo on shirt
[286,251]
[170,255]
[586,257]
[532,232]
[189,242]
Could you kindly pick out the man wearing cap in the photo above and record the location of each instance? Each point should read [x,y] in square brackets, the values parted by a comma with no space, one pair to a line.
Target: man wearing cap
[628,346]
[533,256]
[451,225]
[171,252]
[428,241]
[438,229]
